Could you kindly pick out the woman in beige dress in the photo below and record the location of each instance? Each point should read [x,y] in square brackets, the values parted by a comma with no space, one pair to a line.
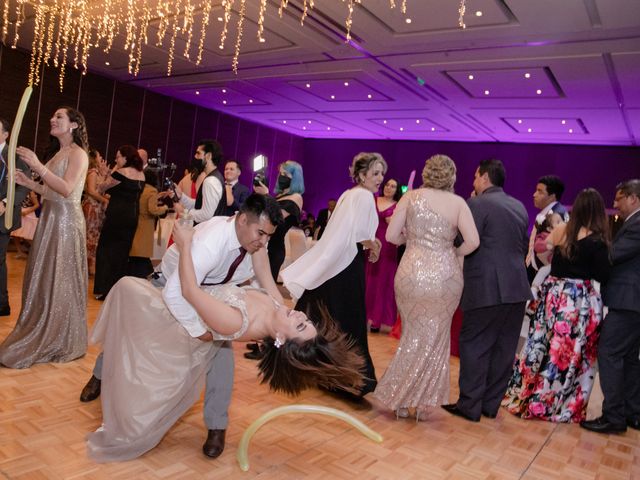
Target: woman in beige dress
[52,325]
[428,286]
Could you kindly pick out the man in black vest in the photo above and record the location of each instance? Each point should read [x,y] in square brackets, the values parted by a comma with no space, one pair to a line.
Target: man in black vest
[209,201]
[21,193]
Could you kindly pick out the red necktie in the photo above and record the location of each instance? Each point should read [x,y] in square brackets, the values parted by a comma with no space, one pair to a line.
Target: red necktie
[234,265]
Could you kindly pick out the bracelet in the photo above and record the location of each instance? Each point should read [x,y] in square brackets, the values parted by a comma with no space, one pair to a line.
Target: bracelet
[43,174]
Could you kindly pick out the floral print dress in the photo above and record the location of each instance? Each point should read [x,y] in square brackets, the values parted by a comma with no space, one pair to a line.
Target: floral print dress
[553,376]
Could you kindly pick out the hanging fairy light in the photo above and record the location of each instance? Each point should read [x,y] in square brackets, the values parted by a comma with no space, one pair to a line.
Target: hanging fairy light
[66,31]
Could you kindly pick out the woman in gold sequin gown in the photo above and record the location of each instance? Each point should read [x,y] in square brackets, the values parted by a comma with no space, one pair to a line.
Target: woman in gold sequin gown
[428,286]
[52,324]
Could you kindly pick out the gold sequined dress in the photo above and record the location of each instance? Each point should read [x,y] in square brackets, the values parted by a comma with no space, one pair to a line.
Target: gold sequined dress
[428,286]
[52,325]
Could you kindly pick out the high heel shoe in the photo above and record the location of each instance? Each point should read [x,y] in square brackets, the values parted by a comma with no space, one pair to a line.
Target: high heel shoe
[402,413]
[421,415]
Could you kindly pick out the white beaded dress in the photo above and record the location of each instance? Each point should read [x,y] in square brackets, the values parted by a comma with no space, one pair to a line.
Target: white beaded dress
[52,326]
[428,286]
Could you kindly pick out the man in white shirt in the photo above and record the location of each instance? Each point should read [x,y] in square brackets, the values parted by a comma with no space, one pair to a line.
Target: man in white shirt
[549,190]
[217,258]
[20,194]
[235,192]
[208,202]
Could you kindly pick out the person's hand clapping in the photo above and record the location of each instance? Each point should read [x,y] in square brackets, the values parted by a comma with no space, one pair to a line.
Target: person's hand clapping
[22,179]
[30,158]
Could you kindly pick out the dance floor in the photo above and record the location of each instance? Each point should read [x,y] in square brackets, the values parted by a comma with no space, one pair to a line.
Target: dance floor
[43,426]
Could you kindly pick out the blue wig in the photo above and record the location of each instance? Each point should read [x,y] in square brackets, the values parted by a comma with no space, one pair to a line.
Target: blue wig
[297,180]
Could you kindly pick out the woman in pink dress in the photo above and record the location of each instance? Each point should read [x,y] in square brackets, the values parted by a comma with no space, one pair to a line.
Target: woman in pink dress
[380,299]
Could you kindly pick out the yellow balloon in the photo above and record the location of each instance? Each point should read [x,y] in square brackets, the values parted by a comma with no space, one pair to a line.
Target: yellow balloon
[243,456]
[11,161]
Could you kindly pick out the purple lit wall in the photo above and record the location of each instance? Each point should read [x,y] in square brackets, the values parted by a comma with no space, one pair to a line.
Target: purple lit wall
[326,165]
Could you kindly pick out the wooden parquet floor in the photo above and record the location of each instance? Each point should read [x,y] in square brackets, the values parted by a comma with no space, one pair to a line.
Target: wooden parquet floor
[43,426]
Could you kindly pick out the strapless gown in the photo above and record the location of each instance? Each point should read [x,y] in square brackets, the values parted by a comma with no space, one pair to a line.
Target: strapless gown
[153,370]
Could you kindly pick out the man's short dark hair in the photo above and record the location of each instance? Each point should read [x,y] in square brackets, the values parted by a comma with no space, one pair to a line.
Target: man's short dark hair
[554,185]
[214,148]
[257,205]
[629,187]
[237,164]
[6,126]
[494,168]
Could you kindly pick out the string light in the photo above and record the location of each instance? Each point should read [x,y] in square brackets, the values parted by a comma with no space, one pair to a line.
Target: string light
[65,30]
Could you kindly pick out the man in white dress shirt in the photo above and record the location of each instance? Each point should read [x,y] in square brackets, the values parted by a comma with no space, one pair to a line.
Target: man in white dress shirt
[217,258]
[208,202]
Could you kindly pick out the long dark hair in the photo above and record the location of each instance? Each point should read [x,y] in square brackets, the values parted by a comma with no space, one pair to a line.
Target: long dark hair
[130,153]
[79,134]
[329,361]
[396,196]
[589,212]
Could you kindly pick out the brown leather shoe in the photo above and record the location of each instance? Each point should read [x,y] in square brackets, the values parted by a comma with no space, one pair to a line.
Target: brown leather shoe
[91,390]
[214,445]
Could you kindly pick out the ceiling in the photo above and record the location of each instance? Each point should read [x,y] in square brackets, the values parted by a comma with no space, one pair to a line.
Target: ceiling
[543,71]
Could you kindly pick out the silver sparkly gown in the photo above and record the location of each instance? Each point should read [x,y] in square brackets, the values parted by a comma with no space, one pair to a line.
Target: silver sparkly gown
[153,370]
[428,286]
[52,325]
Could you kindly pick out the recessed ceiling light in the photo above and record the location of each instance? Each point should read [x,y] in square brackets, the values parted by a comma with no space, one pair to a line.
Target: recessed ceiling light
[308,85]
[224,102]
[384,121]
[519,121]
[470,77]
[197,92]
[224,90]
[284,121]
[478,13]
[369,96]
[333,97]
[571,130]
[250,101]
[107,63]
[486,92]
[407,20]
[418,121]
[346,84]
[529,130]
[433,129]
[563,122]
[309,122]
[402,129]
[527,75]
[328,128]
[304,128]
[538,92]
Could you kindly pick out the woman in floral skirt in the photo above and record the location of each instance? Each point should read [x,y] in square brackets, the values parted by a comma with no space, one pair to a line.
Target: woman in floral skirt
[553,376]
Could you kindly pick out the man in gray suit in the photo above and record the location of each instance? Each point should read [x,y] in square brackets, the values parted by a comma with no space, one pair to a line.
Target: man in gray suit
[21,193]
[619,345]
[496,290]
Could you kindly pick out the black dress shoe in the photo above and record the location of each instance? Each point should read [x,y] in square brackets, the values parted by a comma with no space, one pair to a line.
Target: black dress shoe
[214,445]
[454,410]
[5,311]
[601,425]
[91,390]
[489,415]
[374,329]
[633,423]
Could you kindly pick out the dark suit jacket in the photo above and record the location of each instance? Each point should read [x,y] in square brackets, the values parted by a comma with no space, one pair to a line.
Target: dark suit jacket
[495,273]
[20,195]
[622,290]
[240,194]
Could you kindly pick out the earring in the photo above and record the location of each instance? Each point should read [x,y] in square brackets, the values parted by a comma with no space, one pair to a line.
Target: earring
[278,342]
